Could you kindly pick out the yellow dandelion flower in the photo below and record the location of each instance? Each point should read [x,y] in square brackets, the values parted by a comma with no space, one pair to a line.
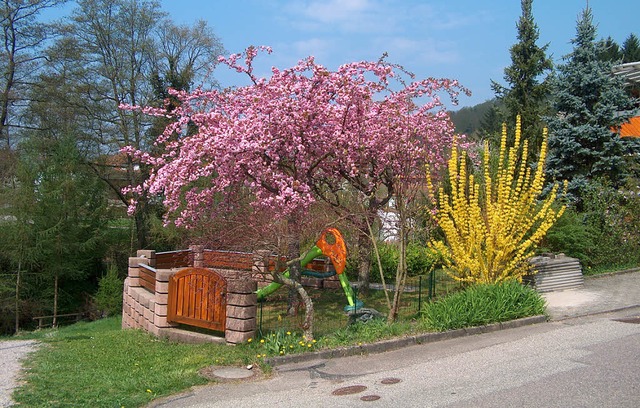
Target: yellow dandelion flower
[149,391]
[250,340]
[288,333]
[261,340]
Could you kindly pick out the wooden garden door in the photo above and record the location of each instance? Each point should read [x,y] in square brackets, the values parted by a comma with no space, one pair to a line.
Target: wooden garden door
[197,297]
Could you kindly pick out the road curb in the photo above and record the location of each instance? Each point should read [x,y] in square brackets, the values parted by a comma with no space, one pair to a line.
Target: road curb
[618,309]
[397,343]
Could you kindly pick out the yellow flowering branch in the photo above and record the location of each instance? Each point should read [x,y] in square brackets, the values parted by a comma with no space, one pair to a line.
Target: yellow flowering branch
[493,226]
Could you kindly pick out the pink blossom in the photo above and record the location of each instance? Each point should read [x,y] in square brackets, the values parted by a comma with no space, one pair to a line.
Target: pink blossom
[303,131]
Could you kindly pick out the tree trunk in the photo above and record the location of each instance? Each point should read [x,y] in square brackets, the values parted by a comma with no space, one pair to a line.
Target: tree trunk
[293,253]
[18,298]
[379,263]
[142,223]
[401,273]
[141,230]
[293,250]
[307,325]
[55,301]
[5,96]
[364,260]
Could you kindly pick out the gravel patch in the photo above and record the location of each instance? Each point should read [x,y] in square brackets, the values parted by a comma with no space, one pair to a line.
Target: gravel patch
[11,353]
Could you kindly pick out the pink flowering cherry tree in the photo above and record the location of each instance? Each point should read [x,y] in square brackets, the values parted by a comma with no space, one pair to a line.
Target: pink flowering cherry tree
[302,135]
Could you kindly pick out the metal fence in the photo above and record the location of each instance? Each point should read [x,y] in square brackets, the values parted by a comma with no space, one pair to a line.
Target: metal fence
[329,315]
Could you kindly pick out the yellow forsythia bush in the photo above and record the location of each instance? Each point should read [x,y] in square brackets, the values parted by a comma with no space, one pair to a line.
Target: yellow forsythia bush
[493,225]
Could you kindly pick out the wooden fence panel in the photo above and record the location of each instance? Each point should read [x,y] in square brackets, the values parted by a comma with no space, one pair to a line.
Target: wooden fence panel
[228,260]
[174,259]
[147,276]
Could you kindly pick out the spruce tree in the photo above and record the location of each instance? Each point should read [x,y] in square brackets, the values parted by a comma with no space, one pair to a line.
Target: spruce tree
[609,50]
[68,215]
[527,90]
[631,49]
[589,101]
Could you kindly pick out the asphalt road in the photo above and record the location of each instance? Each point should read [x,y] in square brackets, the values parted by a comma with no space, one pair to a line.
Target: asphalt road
[577,362]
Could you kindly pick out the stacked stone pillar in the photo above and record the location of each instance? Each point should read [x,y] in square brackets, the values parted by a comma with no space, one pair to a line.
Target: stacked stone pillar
[198,255]
[241,310]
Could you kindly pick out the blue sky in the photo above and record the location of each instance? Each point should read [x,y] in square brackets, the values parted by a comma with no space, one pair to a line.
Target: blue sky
[467,40]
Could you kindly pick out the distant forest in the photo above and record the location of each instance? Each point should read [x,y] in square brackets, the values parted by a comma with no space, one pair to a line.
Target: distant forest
[469,120]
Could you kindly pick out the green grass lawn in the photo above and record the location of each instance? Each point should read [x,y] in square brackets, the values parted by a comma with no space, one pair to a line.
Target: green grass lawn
[99,365]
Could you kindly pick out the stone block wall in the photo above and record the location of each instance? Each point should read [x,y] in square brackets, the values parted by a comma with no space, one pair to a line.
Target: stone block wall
[147,310]
[241,310]
[142,308]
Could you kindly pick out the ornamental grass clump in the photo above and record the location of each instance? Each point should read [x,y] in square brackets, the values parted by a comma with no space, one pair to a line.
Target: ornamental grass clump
[493,223]
[483,304]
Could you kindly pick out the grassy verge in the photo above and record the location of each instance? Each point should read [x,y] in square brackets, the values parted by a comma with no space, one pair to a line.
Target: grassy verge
[99,365]
[604,269]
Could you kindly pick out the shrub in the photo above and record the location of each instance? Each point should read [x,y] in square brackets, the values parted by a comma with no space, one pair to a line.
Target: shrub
[108,299]
[493,223]
[422,259]
[570,235]
[483,304]
[389,260]
[613,218]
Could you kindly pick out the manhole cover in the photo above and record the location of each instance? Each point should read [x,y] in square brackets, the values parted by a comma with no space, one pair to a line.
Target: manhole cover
[632,319]
[370,397]
[227,373]
[352,389]
[391,380]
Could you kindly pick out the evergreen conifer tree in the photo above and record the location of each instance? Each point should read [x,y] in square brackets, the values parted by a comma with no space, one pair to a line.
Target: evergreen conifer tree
[62,206]
[631,49]
[609,50]
[589,101]
[527,90]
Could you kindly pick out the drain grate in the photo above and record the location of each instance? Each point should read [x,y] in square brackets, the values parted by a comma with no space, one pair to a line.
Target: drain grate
[352,389]
[631,319]
[390,380]
[370,397]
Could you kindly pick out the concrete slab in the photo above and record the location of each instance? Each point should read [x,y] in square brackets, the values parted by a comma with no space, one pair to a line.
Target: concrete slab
[570,298]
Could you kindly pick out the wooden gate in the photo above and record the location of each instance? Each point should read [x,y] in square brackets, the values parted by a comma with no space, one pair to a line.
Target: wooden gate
[197,297]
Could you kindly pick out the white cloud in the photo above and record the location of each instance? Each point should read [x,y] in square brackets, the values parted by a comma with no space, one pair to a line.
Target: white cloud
[346,16]
[317,47]
[336,10]
[422,50]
